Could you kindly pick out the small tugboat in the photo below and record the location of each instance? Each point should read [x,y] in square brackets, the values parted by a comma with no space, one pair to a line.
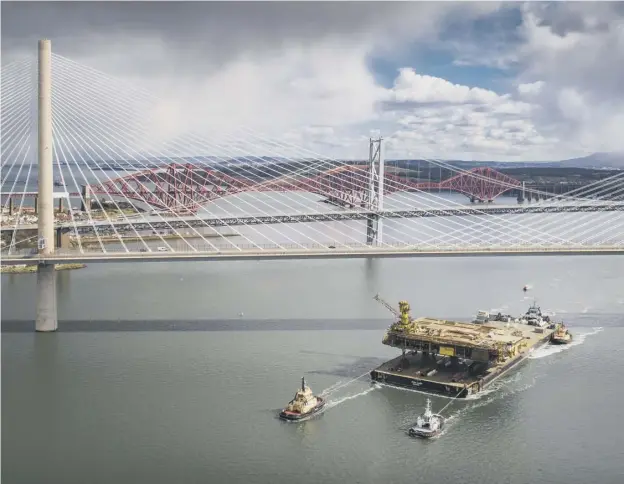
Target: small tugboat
[303,404]
[561,336]
[428,424]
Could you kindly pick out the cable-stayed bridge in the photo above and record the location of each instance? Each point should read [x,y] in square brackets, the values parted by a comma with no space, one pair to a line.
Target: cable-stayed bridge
[96,169]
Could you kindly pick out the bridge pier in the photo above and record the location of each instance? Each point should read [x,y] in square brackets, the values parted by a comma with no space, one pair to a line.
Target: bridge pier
[46,276]
[61,239]
[373,229]
[46,299]
[85,204]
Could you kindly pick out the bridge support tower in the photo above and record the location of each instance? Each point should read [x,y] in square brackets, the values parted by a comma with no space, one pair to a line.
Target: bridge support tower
[85,204]
[46,277]
[374,223]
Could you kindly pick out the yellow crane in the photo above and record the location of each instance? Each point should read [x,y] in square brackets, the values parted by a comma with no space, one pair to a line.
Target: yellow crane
[403,314]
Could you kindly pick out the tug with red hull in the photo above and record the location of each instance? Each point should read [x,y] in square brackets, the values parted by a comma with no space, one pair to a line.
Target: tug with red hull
[561,336]
[304,404]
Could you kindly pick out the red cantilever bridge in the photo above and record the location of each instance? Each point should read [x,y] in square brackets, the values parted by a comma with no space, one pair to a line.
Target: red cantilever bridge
[184,188]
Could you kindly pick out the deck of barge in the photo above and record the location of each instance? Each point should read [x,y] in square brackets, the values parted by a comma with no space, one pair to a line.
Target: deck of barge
[454,376]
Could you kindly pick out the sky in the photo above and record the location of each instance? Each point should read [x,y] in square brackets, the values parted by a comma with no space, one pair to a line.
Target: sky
[500,81]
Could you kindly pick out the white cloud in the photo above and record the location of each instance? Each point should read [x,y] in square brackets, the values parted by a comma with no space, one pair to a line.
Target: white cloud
[314,90]
[531,88]
[572,58]
[417,88]
[443,119]
[569,59]
[327,101]
[317,91]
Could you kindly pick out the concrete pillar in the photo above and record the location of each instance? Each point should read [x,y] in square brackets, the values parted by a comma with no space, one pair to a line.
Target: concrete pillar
[60,205]
[36,205]
[11,205]
[62,239]
[46,298]
[85,204]
[46,181]
[380,189]
[46,276]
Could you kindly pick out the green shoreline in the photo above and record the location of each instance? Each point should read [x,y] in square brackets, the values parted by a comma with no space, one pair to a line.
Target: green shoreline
[30,269]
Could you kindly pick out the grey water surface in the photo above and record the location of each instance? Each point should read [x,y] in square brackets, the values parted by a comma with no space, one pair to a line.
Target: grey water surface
[167,373]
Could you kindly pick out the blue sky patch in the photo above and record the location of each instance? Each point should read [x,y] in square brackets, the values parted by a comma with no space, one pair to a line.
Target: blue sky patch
[459,40]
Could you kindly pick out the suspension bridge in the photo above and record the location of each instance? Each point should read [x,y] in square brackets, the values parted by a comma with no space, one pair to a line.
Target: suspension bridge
[109,183]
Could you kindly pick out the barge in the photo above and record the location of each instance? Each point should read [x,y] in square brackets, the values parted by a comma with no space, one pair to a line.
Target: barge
[452,358]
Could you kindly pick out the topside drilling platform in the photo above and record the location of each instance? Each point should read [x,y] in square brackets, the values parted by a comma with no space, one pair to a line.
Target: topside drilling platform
[453,358]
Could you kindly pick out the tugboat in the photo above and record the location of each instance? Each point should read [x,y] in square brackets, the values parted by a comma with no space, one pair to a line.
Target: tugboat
[303,404]
[428,424]
[561,336]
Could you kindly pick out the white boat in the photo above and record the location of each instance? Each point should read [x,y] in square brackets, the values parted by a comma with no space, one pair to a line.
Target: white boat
[428,424]
[482,317]
[534,317]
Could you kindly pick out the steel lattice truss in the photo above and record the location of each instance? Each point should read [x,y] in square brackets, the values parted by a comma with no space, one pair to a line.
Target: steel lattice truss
[345,185]
[178,188]
[185,188]
[484,184]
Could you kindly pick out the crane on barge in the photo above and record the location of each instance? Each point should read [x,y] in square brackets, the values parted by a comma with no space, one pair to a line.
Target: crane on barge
[404,319]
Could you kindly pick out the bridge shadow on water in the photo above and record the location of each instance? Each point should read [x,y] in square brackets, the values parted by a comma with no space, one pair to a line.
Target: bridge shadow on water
[22,326]
[15,326]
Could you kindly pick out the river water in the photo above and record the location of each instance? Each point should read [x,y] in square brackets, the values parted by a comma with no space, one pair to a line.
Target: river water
[167,373]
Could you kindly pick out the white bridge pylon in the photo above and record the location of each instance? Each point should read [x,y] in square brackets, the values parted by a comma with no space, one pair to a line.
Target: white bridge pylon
[374,225]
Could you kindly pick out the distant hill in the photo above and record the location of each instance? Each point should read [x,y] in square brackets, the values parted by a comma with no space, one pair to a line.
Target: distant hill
[597,160]
[612,161]
[594,161]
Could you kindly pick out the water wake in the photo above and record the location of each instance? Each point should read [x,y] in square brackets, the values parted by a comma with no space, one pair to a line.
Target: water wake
[337,386]
[339,401]
[506,387]
[550,350]
[498,391]
[331,388]
[335,403]
[482,399]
